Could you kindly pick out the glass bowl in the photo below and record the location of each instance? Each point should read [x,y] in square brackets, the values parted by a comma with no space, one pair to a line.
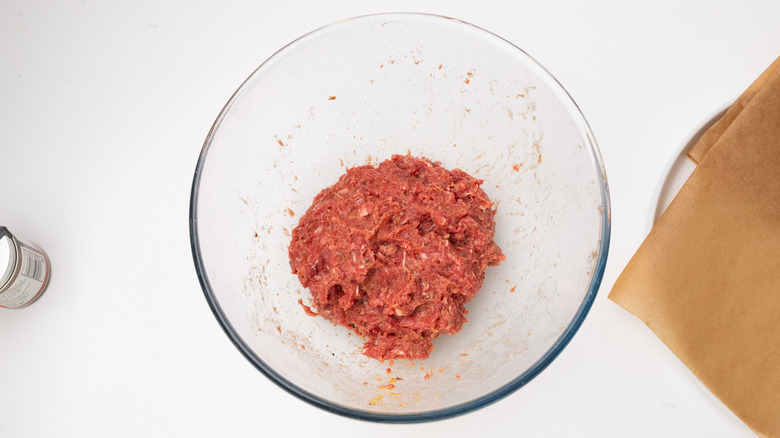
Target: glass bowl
[356,92]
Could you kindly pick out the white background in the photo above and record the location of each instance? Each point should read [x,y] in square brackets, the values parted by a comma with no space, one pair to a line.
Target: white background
[104,107]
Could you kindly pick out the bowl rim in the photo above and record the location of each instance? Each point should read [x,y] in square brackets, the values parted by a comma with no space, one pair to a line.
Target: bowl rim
[681,154]
[430,415]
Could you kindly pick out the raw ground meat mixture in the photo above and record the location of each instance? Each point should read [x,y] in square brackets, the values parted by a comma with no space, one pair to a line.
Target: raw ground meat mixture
[394,252]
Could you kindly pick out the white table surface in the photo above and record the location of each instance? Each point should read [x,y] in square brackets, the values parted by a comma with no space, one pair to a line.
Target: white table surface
[104,107]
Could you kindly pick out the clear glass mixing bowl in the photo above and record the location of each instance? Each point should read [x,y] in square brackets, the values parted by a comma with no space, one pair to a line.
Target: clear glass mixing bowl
[356,92]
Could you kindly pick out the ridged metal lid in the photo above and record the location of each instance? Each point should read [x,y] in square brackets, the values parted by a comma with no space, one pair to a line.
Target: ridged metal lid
[7,256]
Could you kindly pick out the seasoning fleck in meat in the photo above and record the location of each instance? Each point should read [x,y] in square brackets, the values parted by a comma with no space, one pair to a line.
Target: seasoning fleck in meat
[394,252]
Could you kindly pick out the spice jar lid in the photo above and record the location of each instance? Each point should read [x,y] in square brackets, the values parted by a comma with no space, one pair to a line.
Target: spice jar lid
[7,257]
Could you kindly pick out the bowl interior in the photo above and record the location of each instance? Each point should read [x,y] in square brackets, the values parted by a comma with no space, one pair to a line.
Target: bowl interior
[357,92]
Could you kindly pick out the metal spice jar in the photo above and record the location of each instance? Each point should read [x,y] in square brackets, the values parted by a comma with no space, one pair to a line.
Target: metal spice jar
[24,271]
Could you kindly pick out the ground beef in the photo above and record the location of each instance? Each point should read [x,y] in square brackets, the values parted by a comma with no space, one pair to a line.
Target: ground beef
[394,252]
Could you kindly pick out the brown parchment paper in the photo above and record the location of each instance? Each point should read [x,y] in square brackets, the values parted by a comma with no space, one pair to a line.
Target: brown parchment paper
[706,279]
